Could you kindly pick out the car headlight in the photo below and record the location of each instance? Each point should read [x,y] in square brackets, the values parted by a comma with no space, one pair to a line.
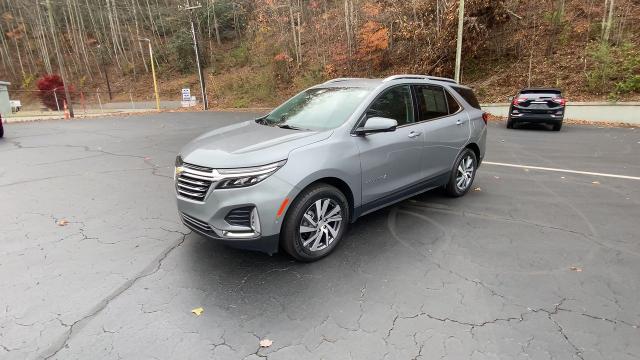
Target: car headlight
[243,177]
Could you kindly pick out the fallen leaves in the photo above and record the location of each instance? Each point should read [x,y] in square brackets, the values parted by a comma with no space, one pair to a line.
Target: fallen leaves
[477,189]
[198,311]
[575,268]
[265,343]
[62,222]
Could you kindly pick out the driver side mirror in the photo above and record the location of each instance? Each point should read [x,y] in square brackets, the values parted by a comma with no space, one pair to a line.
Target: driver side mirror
[377,125]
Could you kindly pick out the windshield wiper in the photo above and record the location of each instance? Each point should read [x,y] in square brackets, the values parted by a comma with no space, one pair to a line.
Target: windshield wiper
[287,126]
[262,120]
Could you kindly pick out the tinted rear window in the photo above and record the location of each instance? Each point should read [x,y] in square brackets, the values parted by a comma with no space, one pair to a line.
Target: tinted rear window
[468,96]
[541,91]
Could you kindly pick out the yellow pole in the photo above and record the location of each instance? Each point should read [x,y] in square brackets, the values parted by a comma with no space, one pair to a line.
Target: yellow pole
[155,82]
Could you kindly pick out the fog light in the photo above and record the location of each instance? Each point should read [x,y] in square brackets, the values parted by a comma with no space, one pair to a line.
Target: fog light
[254,221]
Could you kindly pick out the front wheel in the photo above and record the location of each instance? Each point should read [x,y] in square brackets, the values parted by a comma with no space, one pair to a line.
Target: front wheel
[315,223]
[463,174]
[557,126]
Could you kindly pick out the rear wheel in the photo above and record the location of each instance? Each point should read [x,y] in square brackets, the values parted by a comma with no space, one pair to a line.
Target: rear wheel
[315,223]
[463,174]
[557,126]
[509,123]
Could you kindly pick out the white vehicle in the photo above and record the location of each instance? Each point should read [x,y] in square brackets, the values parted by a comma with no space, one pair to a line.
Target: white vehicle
[16,105]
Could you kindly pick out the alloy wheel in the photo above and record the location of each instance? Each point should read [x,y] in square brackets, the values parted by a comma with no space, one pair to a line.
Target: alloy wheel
[320,224]
[465,173]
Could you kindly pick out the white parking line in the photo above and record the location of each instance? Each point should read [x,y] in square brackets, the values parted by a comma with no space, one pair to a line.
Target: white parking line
[562,170]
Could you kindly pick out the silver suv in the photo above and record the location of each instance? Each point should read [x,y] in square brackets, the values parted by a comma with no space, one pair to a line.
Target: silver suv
[298,176]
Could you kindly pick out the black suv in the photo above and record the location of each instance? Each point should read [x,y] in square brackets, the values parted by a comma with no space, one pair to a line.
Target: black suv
[537,105]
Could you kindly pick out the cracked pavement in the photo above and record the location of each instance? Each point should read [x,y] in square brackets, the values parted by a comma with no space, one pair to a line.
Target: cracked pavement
[491,275]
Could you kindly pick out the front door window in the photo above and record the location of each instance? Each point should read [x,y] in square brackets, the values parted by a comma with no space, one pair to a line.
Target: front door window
[394,104]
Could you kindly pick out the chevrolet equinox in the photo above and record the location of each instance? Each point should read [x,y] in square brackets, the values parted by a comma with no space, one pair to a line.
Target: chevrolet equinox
[298,176]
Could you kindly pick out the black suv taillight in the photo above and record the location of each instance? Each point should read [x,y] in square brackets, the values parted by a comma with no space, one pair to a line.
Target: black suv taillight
[519,100]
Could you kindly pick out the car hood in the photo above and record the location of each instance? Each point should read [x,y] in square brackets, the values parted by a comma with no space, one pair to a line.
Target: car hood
[247,144]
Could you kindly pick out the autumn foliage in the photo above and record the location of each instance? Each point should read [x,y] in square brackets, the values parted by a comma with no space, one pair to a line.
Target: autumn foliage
[51,88]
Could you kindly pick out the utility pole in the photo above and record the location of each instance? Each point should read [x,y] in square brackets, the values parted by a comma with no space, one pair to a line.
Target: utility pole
[459,42]
[153,71]
[104,70]
[188,7]
[60,60]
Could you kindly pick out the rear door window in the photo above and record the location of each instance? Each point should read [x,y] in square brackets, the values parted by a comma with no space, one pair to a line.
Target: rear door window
[432,102]
[468,96]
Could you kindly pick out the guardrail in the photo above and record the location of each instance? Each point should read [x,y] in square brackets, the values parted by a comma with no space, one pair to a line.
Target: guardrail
[623,112]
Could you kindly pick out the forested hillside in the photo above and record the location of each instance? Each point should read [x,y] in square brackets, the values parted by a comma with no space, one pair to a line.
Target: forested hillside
[256,52]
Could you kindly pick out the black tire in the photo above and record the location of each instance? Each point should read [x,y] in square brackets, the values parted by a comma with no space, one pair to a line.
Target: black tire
[509,123]
[1,130]
[557,126]
[291,236]
[452,189]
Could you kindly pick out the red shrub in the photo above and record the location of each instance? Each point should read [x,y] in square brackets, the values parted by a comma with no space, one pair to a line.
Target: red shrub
[48,84]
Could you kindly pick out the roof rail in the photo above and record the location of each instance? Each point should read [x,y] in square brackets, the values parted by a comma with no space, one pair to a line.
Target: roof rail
[419,77]
[405,76]
[340,79]
[444,79]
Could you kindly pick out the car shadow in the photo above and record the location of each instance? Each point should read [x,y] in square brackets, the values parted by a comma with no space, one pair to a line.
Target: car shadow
[388,241]
[533,126]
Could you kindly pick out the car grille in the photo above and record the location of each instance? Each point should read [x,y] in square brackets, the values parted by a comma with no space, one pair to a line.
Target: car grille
[194,181]
[198,224]
[240,217]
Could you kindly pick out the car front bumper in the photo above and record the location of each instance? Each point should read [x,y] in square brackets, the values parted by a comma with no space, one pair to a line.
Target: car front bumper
[208,217]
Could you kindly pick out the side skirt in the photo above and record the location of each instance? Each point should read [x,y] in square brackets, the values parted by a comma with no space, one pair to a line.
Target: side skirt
[400,195]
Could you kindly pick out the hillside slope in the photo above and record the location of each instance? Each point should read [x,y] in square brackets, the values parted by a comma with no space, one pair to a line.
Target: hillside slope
[257,52]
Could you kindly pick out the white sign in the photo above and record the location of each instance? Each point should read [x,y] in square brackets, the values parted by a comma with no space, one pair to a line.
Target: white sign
[192,101]
[186,94]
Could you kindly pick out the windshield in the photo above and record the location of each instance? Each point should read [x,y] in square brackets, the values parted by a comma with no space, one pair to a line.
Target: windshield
[317,109]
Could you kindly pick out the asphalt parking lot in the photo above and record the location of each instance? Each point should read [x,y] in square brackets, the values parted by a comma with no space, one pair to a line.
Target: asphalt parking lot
[532,264]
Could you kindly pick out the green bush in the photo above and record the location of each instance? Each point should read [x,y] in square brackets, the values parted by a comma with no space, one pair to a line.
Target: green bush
[615,70]
[630,84]
[599,77]
[254,88]
[308,78]
[181,51]
[239,56]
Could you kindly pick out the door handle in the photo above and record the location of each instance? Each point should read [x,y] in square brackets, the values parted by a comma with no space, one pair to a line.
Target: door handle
[414,134]
[460,121]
